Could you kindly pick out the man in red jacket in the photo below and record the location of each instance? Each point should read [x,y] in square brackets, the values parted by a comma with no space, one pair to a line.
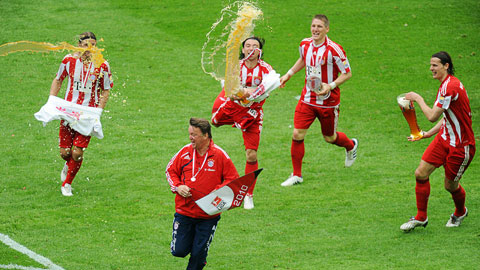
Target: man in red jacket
[192,173]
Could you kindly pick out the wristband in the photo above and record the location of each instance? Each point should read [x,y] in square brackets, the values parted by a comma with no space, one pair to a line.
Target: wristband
[333,85]
[290,72]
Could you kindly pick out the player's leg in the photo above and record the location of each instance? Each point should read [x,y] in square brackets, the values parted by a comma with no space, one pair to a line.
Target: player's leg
[303,118]
[223,115]
[219,101]
[328,119]
[80,143]
[204,233]
[457,163]
[182,235]
[66,137]
[432,158]
[251,140]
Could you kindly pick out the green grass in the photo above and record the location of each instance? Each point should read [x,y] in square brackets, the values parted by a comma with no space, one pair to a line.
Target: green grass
[121,214]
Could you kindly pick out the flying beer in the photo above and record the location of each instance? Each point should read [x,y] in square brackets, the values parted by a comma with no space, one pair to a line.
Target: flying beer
[408,111]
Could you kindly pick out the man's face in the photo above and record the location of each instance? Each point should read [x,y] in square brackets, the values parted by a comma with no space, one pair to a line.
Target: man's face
[319,30]
[197,138]
[249,46]
[439,71]
[84,43]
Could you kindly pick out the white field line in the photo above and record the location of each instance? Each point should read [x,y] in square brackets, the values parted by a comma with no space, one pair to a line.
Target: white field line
[38,258]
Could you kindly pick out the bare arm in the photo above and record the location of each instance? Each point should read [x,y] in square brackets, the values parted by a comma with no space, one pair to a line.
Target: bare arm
[300,64]
[433,130]
[432,114]
[103,98]
[55,87]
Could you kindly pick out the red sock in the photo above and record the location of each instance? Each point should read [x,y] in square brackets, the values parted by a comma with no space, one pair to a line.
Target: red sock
[458,197]
[73,167]
[250,167]
[422,192]
[297,151]
[343,141]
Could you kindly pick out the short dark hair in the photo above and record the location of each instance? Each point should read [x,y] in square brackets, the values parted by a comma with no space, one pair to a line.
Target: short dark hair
[323,18]
[86,35]
[203,125]
[260,40]
[444,59]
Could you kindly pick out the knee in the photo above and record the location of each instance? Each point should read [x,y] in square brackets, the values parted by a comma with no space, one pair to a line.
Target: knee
[421,174]
[77,154]
[299,135]
[179,253]
[251,155]
[65,153]
[330,139]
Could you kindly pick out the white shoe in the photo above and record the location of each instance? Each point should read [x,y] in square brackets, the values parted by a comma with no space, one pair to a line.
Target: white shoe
[351,155]
[292,180]
[455,221]
[67,190]
[248,202]
[412,223]
[63,174]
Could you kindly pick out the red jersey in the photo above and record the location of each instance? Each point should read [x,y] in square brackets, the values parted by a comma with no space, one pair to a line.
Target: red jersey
[456,129]
[211,170]
[325,61]
[253,77]
[84,81]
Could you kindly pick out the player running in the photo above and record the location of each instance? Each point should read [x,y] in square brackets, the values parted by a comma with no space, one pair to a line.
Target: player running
[323,61]
[87,86]
[258,79]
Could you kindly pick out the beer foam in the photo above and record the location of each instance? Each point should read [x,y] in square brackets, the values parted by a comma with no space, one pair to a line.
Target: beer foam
[404,103]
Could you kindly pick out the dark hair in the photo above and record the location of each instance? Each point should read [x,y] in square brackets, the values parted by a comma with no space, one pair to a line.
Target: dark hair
[86,35]
[202,124]
[444,59]
[323,18]
[260,40]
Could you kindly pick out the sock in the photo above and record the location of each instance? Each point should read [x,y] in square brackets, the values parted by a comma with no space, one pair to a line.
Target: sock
[297,151]
[343,141]
[422,192]
[250,167]
[73,167]
[458,197]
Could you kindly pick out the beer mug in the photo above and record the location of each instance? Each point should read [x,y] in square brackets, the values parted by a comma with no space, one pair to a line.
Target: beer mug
[408,111]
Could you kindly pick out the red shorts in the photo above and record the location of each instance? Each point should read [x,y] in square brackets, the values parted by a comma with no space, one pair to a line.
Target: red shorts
[69,137]
[248,120]
[455,160]
[305,115]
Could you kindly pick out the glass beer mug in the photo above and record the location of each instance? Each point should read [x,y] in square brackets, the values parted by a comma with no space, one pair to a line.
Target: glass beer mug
[408,111]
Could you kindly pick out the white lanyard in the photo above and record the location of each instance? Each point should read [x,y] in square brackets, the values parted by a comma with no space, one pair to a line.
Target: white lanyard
[193,179]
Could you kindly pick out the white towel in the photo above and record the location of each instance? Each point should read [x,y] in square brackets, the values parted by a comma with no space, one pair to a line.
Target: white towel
[83,119]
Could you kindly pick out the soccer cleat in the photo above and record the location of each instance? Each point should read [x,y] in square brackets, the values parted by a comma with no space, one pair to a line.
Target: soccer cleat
[292,180]
[63,174]
[248,202]
[455,221]
[67,190]
[412,223]
[351,155]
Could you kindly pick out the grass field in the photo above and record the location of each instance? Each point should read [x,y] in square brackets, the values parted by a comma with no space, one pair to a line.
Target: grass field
[121,214]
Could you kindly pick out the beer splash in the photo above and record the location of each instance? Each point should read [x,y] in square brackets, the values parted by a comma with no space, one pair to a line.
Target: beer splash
[32,46]
[220,52]
[408,111]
